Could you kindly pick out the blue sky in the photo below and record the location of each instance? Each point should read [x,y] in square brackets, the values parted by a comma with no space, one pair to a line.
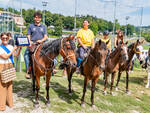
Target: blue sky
[97,8]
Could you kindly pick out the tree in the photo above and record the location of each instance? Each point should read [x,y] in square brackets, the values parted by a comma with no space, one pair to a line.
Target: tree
[58,27]
[94,27]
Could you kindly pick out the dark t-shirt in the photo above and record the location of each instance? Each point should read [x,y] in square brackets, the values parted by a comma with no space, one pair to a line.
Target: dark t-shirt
[11,42]
[36,32]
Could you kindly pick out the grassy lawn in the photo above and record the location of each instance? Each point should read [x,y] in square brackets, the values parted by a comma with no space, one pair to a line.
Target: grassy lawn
[137,102]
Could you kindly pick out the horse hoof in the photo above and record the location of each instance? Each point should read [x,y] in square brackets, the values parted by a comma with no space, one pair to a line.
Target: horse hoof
[116,88]
[48,104]
[128,92]
[70,94]
[36,105]
[112,93]
[93,106]
[147,86]
[83,105]
[105,93]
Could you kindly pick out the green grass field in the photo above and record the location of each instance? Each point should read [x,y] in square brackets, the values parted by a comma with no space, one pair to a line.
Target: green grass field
[137,102]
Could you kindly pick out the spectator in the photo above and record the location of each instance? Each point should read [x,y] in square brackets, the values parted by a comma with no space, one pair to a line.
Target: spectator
[11,40]
[6,60]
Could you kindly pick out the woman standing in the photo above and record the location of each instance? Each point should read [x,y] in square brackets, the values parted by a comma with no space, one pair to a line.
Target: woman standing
[5,62]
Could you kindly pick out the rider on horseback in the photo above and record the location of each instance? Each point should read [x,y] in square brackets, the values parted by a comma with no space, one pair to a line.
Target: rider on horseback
[36,33]
[86,40]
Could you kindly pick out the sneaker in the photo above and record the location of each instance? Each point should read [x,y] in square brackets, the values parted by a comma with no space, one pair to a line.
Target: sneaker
[55,71]
[78,70]
[27,76]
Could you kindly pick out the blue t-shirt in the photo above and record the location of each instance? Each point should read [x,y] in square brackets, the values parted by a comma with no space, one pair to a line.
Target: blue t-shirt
[36,32]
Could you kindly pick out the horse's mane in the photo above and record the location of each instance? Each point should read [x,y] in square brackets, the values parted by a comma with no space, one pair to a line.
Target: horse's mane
[51,47]
[130,46]
[54,46]
[113,53]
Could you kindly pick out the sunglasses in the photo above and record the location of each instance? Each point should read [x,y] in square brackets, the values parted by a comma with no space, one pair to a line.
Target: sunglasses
[5,38]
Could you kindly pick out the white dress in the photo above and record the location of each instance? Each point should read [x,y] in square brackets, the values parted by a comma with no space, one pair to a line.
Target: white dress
[2,51]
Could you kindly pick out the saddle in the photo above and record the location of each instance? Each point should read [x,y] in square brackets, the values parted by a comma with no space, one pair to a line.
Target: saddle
[33,48]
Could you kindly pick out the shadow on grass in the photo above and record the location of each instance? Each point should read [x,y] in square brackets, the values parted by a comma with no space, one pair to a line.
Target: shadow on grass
[23,88]
[135,80]
[63,93]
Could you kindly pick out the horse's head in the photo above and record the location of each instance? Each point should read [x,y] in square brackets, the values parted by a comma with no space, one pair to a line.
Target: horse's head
[137,48]
[100,53]
[123,51]
[67,51]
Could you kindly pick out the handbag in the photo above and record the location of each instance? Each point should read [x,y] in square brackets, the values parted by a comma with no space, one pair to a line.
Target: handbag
[8,73]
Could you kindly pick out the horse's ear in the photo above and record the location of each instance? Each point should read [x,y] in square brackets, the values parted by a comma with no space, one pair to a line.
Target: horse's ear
[100,42]
[107,41]
[126,42]
[142,42]
[137,41]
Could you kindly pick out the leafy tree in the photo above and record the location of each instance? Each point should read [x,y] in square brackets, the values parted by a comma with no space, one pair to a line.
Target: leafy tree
[94,27]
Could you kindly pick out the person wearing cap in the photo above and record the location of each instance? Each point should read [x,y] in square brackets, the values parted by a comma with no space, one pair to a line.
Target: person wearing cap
[106,39]
[118,39]
[85,39]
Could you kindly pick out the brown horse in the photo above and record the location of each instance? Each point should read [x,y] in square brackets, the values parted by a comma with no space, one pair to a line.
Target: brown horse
[43,61]
[132,49]
[118,56]
[92,67]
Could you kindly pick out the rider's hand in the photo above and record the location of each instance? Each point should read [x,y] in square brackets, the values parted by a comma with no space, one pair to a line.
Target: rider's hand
[39,41]
[85,47]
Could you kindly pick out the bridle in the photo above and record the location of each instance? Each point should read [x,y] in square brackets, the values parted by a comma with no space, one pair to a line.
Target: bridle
[63,53]
[134,49]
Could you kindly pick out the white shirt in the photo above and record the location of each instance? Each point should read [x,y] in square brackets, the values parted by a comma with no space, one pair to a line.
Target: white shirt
[2,51]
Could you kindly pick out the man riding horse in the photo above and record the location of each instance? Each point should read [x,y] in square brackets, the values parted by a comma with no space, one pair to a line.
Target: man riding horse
[86,40]
[36,33]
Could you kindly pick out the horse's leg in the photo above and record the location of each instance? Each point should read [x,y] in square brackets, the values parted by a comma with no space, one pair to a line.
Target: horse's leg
[127,80]
[104,76]
[93,90]
[106,82]
[148,78]
[48,77]
[37,89]
[32,74]
[112,82]
[84,90]
[69,73]
[119,75]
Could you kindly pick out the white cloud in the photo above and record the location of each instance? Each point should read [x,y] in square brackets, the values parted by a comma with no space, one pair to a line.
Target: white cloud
[92,7]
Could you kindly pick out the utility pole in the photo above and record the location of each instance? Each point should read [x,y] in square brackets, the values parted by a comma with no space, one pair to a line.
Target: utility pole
[75,15]
[141,21]
[114,23]
[44,5]
[114,18]
[127,17]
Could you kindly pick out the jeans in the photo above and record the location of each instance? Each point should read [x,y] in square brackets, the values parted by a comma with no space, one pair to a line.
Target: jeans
[26,58]
[81,57]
